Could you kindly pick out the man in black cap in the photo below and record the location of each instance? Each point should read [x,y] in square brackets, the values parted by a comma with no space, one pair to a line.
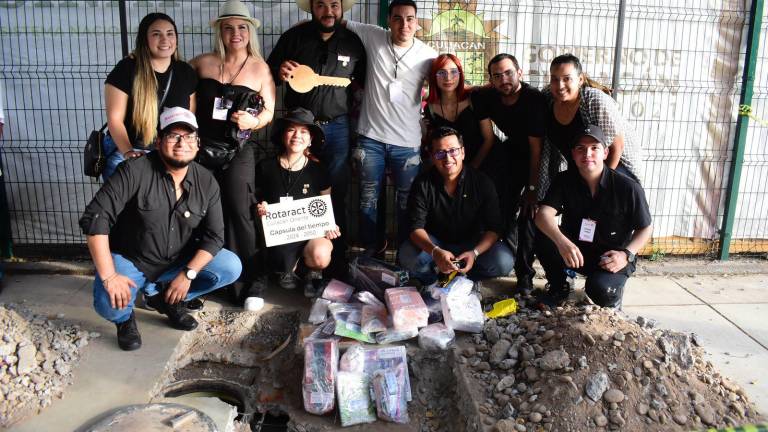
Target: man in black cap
[329,49]
[156,226]
[605,222]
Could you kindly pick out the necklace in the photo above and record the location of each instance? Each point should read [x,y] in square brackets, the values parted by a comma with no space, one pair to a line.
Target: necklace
[238,71]
[288,164]
[288,183]
[455,112]
[394,54]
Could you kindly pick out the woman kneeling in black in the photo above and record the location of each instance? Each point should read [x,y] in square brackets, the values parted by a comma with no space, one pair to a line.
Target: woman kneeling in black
[295,174]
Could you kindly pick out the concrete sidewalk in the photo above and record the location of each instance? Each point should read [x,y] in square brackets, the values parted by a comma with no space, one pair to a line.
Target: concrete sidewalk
[726,312]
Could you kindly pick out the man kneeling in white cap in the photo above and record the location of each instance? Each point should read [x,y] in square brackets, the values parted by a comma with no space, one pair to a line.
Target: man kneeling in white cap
[156,226]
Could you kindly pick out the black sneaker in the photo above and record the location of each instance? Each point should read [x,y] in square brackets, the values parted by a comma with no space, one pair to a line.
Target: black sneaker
[287,280]
[194,305]
[256,288]
[312,278]
[128,336]
[553,297]
[524,286]
[176,313]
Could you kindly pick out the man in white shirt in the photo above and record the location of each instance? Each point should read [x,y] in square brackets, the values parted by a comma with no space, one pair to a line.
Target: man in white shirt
[389,129]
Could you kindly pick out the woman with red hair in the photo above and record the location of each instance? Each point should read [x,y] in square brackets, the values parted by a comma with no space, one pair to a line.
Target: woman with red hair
[448,104]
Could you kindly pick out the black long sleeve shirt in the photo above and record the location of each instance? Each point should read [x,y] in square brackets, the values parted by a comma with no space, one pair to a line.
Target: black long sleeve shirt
[472,210]
[342,55]
[138,209]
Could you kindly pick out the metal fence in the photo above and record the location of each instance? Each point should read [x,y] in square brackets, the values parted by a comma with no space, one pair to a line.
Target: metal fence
[678,86]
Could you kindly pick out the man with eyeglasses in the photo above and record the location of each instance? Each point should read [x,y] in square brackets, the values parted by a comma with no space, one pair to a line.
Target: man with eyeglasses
[389,129]
[517,109]
[330,50]
[454,218]
[605,222]
[156,226]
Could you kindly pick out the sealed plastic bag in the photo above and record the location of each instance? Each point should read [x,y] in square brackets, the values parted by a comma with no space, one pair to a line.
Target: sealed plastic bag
[407,308]
[391,335]
[386,358]
[337,291]
[355,405]
[368,298]
[370,274]
[374,319]
[388,388]
[321,357]
[319,311]
[353,359]
[348,318]
[436,337]
[463,313]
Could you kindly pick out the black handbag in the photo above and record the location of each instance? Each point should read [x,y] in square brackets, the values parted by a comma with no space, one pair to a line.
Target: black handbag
[216,154]
[94,158]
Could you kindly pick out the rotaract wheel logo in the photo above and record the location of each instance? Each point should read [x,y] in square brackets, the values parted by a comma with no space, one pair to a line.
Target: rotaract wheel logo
[317,208]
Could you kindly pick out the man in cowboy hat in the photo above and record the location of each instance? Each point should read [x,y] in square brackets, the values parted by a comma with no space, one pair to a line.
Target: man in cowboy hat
[389,129]
[156,226]
[605,222]
[330,50]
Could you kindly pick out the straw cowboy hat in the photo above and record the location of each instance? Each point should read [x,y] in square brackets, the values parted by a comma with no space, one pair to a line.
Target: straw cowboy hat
[305,5]
[235,9]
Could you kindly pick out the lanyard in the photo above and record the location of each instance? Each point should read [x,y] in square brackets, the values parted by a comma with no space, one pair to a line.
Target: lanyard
[287,183]
[394,55]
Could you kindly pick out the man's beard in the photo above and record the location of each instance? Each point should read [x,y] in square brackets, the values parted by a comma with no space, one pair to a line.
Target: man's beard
[323,29]
[174,163]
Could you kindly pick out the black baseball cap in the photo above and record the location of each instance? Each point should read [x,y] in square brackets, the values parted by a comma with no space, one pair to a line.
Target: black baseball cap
[593,131]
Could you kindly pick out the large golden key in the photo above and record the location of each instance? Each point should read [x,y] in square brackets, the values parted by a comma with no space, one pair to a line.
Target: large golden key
[304,79]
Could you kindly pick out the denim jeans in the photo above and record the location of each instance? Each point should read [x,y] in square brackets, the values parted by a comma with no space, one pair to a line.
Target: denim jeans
[495,262]
[372,159]
[114,157]
[223,269]
[334,154]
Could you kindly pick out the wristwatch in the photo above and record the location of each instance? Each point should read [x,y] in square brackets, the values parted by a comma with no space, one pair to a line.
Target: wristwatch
[477,254]
[189,273]
[631,257]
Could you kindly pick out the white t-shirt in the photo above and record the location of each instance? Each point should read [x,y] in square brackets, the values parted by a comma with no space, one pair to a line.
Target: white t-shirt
[392,107]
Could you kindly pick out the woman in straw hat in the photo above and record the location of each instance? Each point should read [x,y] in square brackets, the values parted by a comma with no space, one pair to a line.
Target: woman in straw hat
[236,66]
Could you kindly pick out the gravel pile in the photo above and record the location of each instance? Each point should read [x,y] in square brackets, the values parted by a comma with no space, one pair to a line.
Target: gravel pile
[587,368]
[37,355]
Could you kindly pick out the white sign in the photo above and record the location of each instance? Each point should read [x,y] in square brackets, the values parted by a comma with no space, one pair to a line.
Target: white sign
[292,221]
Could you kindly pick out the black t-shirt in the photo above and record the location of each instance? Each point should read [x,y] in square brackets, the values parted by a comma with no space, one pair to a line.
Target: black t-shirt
[523,119]
[561,136]
[619,208]
[274,181]
[182,86]
[467,124]
[472,210]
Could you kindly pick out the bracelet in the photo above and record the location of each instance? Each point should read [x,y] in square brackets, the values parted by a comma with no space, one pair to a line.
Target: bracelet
[432,254]
[477,254]
[105,281]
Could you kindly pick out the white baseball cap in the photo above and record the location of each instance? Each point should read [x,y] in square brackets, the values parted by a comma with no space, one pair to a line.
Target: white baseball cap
[177,115]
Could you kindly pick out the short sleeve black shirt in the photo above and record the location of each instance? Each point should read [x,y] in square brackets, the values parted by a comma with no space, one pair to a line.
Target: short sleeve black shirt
[465,216]
[523,119]
[138,209]
[342,55]
[619,208]
[182,86]
[275,181]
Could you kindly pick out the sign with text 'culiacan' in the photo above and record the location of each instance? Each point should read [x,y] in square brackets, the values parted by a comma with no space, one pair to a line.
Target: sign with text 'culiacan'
[292,221]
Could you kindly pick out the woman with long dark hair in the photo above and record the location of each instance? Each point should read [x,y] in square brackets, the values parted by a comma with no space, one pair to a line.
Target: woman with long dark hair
[295,174]
[448,104]
[151,78]
[235,98]
[575,101]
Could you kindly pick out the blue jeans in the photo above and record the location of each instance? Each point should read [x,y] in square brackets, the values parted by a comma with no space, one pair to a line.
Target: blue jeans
[114,157]
[335,156]
[495,262]
[223,269]
[372,158]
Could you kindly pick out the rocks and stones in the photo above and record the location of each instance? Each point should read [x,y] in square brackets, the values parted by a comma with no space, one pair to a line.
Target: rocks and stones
[613,396]
[508,411]
[27,362]
[601,420]
[677,348]
[535,417]
[680,419]
[506,382]
[499,351]
[642,409]
[596,385]
[505,425]
[554,360]
[705,413]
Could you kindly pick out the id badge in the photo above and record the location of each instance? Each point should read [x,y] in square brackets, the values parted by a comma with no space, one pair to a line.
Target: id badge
[587,231]
[396,94]
[344,60]
[285,199]
[221,107]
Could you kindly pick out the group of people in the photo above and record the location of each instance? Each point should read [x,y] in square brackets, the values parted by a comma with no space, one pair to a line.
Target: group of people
[178,215]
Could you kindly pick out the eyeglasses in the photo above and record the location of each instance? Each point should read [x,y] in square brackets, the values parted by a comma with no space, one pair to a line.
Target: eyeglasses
[507,74]
[442,154]
[173,138]
[445,73]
